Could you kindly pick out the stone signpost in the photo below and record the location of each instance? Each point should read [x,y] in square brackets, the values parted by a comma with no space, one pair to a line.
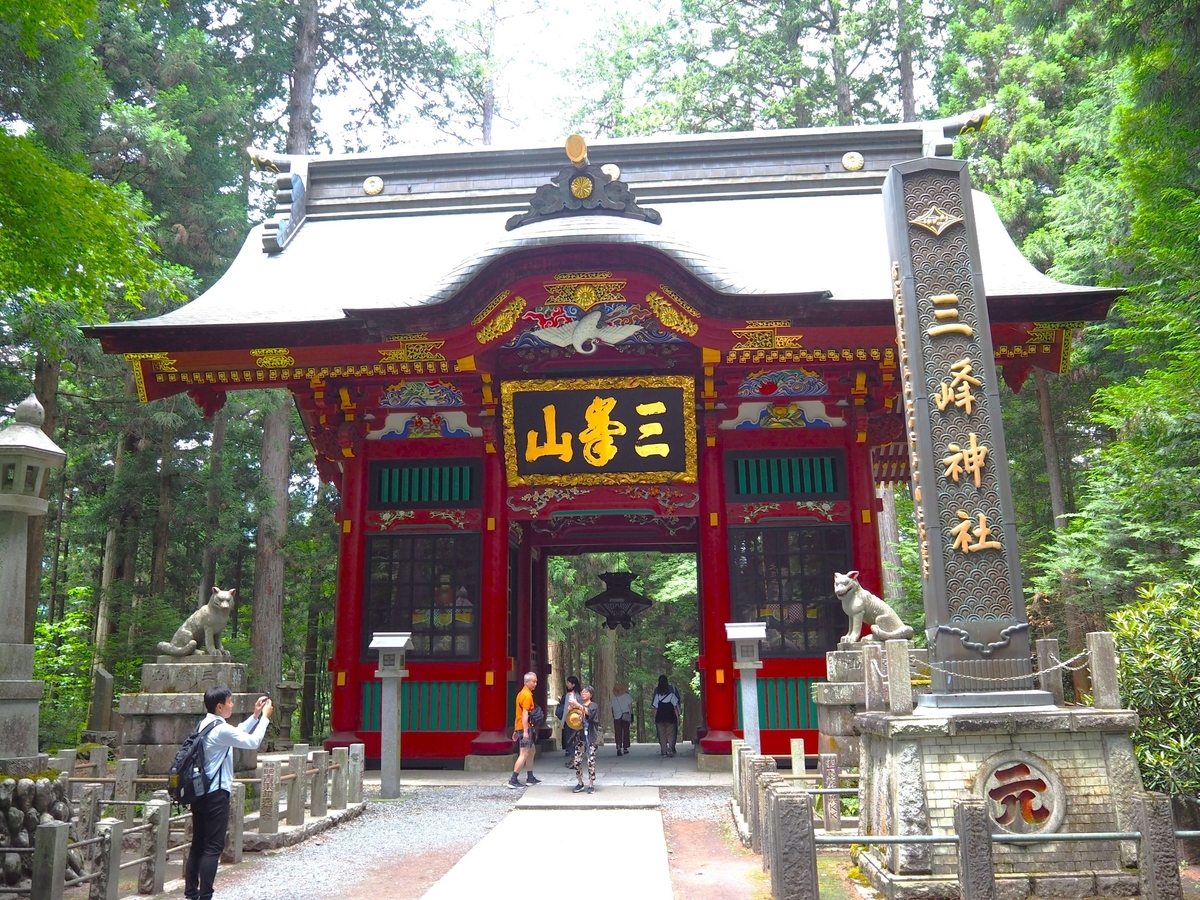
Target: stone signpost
[979,747]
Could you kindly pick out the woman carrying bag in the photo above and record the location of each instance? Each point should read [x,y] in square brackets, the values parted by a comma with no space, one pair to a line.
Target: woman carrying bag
[568,734]
[587,715]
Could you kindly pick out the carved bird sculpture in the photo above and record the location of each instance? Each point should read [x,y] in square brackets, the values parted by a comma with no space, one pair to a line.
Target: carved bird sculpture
[585,334]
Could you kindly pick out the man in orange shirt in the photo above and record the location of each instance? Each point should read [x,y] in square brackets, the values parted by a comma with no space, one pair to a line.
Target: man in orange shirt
[524,734]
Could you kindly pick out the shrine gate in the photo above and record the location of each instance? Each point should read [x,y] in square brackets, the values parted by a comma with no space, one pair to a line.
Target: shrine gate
[674,343]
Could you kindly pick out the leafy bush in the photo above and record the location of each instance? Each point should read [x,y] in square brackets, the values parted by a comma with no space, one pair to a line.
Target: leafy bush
[1159,641]
[62,660]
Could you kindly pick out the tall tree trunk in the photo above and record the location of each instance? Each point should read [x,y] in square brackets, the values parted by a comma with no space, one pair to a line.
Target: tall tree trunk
[45,386]
[489,96]
[904,60]
[889,538]
[239,558]
[212,507]
[162,523]
[1072,615]
[839,65]
[308,688]
[53,606]
[1058,502]
[112,551]
[266,622]
[304,78]
[606,676]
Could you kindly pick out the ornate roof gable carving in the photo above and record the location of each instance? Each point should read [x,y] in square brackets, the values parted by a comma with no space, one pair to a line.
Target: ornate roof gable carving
[583,188]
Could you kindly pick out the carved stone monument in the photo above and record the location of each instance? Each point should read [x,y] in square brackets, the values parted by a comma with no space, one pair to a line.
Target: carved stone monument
[983,730]
[26,455]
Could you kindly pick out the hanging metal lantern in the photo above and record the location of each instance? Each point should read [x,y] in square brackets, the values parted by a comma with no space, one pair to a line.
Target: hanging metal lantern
[619,604]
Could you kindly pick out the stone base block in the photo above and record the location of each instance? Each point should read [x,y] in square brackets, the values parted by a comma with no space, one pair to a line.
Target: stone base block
[475,762]
[1064,887]
[714,762]
[19,724]
[1120,884]
[906,887]
[1012,887]
[156,759]
[16,662]
[192,675]
[18,766]
[110,739]
[253,842]
[845,746]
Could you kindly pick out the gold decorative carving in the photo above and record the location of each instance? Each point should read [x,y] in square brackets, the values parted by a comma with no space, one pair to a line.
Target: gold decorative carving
[414,336]
[669,316]
[581,187]
[680,302]
[508,388]
[582,276]
[768,323]
[852,161]
[935,220]
[139,379]
[491,307]
[373,185]
[273,358]
[503,322]
[413,351]
[585,295]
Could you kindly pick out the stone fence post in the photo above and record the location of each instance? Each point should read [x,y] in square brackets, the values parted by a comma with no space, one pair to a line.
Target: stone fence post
[831,780]
[1158,851]
[1047,654]
[152,873]
[358,761]
[762,828]
[793,852]
[125,789]
[232,853]
[89,815]
[341,759]
[64,761]
[976,876]
[1102,654]
[899,680]
[268,808]
[107,883]
[297,763]
[756,765]
[49,861]
[874,678]
[98,760]
[319,804]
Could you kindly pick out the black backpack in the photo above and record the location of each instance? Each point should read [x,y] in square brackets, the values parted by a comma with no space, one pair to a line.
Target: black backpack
[537,717]
[186,778]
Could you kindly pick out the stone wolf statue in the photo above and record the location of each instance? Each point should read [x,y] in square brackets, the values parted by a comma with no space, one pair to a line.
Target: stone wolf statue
[205,624]
[863,606]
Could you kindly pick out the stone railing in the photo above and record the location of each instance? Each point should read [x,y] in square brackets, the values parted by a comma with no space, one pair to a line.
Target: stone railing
[92,850]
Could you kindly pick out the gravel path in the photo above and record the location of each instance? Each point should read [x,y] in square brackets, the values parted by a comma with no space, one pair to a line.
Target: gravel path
[709,804]
[422,820]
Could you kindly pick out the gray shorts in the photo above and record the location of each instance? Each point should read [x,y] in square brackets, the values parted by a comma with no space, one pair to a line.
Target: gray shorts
[523,742]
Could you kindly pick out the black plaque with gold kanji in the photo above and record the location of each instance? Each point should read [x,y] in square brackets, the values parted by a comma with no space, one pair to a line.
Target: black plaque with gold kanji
[639,429]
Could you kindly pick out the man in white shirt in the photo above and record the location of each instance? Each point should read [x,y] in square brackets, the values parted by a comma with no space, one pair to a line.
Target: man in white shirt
[210,812]
[622,713]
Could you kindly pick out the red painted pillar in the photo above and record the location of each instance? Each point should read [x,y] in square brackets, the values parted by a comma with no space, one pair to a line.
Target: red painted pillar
[346,699]
[541,629]
[495,726]
[864,526]
[524,599]
[716,660]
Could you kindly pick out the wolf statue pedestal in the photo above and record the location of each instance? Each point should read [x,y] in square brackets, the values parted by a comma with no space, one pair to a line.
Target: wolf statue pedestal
[155,721]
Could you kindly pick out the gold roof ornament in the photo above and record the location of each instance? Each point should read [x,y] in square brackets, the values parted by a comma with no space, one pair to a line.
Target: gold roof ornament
[577,150]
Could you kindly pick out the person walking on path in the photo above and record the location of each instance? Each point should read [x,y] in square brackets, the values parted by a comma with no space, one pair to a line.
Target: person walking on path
[622,713]
[666,716]
[568,734]
[589,737]
[210,812]
[524,734]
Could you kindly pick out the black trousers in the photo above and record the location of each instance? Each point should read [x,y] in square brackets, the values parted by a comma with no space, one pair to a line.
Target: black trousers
[210,819]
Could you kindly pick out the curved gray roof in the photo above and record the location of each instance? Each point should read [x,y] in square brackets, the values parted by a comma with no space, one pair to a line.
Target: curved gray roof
[753,214]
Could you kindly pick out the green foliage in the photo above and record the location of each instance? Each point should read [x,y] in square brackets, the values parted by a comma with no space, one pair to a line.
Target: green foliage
[62,660]
[66,237]
[1158,639]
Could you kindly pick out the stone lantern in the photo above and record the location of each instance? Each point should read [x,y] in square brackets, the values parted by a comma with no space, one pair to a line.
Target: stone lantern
[391,646]
[746,637]
[26,455]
